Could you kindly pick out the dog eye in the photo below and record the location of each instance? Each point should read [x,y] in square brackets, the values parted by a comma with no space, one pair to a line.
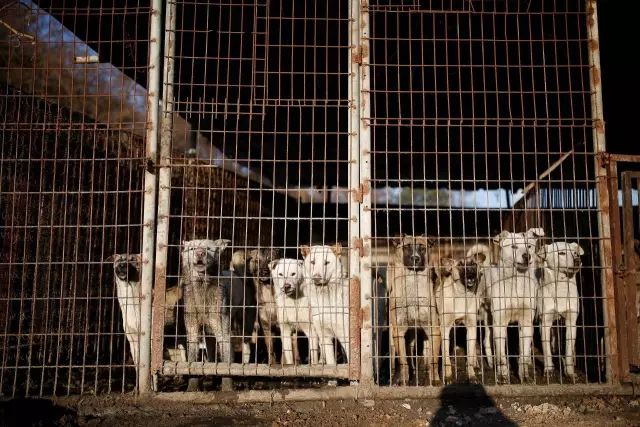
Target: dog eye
[326,263]
[313,262]
[293,274]
[514,247]
[562,253]
[280,274]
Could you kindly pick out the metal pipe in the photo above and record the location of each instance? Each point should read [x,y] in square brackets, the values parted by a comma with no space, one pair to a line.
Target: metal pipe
[366,282]
[164,192]
[150,187]
[604,225]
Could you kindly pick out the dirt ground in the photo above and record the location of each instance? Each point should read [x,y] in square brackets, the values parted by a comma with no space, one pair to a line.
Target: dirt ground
[126,411]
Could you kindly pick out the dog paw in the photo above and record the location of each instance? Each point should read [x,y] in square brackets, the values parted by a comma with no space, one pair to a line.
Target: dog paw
[571,377]
[473,380]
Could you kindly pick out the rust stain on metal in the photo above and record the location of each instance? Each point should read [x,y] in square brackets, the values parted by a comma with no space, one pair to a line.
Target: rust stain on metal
[593,44]
[364,51]
[157,319]
[360,192]
[355,327]
[358,244]
[599,125]
[356,56]
[595,76]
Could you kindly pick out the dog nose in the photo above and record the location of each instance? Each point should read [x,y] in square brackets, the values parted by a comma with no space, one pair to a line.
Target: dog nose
[199,253]
[415,258]
[287,287]
[525,257]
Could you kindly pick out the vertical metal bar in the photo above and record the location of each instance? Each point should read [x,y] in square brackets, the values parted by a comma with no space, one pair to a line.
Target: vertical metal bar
[360,175]
[604,225]
[616,244]
[150,187]
[164,193]
[628,336]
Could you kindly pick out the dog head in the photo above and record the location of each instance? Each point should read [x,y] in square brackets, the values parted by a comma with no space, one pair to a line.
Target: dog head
[322,264]
[412,251]
[563,257]
[287,275]
[258,264]
[518,249]
[202,257]
[126,267]
[469,272]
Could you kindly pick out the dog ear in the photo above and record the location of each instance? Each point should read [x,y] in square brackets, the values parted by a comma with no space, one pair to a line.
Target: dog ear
[447,265]
[535,232]
[500,237]
[305,250]
[222,244]
[397,241]
[431,241]
[337,249]
[542,252]
[276,253]
[111,258]
[576,247]
[272,264]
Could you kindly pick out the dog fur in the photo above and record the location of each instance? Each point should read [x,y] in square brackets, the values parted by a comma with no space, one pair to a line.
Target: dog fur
[203,297]
[127,270]
[328,292]
[511,287]
[293,308]
[411,301]
[558,298]
[457,303]
[483,257]
[258,268]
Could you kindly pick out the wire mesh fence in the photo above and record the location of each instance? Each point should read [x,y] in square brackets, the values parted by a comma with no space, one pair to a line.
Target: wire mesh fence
[407,192]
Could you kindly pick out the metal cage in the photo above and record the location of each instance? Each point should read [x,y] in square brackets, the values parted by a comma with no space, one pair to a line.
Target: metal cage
[294,192]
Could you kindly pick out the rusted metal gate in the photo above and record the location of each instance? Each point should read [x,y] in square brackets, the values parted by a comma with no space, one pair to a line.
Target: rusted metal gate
[623,178]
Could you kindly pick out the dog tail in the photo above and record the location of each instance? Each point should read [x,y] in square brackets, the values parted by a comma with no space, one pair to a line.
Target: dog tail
[481,253]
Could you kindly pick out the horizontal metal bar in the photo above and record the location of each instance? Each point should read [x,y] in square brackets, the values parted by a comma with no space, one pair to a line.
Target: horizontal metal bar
[256,370]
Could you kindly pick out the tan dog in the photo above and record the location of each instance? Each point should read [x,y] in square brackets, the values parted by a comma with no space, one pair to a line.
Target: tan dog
[457,303]
[412,302]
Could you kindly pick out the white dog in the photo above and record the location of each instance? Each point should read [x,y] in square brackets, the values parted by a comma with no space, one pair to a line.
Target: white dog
[511,287]
[328,292]
[558,298]
[127,272]
[293,307]
[411,301]
[457,303]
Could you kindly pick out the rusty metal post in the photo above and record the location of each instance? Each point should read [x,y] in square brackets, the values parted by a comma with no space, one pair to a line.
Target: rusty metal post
[360,176]
[150,187]
[604,225]
[164,192]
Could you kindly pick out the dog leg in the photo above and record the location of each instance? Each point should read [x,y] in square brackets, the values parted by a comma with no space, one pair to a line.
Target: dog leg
[472,361]
[570,358]
[488,352]
[327,347]
[546,323]
[314,349]
[401,349]
[446,357]
[191,326]
[268,340]
[134,347]
[500,341]
[526,332]
[221,327]
[287,344]
[436,341]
